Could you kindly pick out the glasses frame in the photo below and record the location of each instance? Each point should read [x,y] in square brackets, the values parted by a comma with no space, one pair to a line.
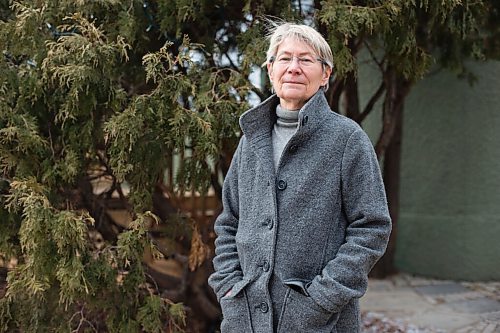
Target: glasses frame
[273,59]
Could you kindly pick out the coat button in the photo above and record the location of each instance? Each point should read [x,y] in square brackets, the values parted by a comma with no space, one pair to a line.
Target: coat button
[265,266]
[268,223]
[293,149]
[304,120]
[264,307]
[281,184]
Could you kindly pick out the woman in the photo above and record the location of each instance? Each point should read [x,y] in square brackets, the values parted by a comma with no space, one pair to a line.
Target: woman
[304,209]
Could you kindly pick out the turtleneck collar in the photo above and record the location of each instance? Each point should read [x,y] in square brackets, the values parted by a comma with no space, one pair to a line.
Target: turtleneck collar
[286,118]
[258,122]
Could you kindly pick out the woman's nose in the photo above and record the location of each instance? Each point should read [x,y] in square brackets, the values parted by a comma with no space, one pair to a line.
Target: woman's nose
[294,65]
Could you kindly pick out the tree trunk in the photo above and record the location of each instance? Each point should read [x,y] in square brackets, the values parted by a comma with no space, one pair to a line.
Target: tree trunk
[391,173]
[351,95]
[389,148]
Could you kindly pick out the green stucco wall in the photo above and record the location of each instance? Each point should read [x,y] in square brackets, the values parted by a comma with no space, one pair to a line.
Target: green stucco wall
[449,225]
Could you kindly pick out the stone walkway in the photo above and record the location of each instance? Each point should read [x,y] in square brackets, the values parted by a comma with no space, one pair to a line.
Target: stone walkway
[418,305]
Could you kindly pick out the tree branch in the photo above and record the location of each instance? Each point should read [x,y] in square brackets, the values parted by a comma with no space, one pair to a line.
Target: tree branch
[233,65]
[333,94]
[397,90]
[259,93]
[380,63]
[371,103]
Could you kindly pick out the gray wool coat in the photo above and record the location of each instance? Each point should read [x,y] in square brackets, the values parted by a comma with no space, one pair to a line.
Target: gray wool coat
[295,245]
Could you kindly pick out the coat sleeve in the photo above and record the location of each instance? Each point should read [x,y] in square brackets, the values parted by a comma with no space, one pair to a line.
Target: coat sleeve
[226,261]
[367,232]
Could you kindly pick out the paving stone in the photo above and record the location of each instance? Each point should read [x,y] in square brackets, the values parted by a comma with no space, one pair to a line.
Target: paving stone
[442,289]
[443,319]
[480,327]
[490,289]
[433,306]
[480,305]
[433,300]
[401,280]
[461,296]
[492,317]
[417,281]
[395,303]
[491,328]
[380,285]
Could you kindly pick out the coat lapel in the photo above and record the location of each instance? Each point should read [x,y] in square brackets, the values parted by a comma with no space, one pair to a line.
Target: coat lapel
[257,124]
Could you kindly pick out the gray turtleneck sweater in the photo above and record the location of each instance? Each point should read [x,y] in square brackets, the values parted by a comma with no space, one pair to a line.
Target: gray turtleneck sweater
[285,127]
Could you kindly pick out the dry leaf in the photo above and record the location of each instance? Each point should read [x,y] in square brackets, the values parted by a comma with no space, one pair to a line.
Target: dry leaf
[199,250]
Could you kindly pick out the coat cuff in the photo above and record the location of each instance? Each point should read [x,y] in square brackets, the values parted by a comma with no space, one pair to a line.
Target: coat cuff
[323,301]
[228,285]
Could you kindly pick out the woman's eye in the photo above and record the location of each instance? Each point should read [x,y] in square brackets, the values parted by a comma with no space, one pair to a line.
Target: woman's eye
[284,59]
[306,60]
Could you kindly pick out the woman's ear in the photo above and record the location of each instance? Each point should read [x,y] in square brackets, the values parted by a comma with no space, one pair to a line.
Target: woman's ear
[326,75]
[270,71]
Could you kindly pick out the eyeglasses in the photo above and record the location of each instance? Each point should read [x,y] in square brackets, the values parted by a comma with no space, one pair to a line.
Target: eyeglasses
[304,61]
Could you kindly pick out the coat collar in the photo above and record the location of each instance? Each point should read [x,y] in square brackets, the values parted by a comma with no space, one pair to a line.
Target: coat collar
[257,123]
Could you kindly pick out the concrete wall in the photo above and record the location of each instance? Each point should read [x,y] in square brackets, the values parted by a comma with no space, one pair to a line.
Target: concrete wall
[449,225]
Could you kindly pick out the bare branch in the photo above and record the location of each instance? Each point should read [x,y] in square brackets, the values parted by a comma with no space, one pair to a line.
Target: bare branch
[233,65]
[259,93]
[397,90]
[371,103]
[334,93]
[82,321]
[356,44]
[380,63]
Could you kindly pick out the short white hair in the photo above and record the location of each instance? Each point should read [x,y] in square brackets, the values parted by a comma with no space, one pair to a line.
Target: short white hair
[281,31]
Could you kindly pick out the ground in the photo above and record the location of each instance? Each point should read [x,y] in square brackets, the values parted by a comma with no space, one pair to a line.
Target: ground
[405,303]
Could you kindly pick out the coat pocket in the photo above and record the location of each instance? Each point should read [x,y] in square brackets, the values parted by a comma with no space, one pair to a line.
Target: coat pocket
[235,310]
[302,314]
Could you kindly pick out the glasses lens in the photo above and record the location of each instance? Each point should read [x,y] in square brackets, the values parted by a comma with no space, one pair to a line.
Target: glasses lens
[304,61]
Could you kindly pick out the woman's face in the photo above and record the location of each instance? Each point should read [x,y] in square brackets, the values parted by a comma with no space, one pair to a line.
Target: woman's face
[296,73]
